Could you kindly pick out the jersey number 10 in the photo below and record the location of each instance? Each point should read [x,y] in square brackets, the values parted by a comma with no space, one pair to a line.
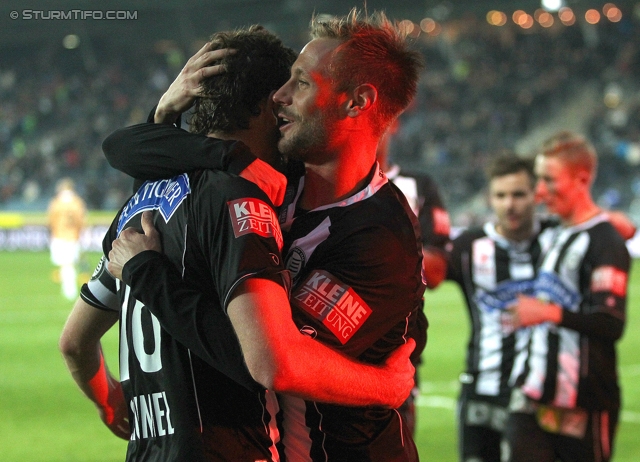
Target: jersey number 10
[149,362]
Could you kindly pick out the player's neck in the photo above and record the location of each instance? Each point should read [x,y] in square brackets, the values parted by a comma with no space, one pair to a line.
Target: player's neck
[584,211]
[516,235]
[333,181]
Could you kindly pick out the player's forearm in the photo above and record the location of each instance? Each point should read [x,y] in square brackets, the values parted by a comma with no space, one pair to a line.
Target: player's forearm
[284,360]
[154,151]
[531,311]
[333,378]
[80,342]
[164,113]
[602,325]
[92,376]
[87,369]
[82,370]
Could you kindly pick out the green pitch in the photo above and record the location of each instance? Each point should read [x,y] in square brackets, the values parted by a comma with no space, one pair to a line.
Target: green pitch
[44,417]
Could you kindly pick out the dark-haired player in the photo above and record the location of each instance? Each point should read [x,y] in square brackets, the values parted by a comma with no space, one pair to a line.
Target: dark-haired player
[198,379]
[350,239]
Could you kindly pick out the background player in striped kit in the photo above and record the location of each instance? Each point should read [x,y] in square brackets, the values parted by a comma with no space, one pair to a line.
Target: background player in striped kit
[421,192]
[492,264]
[335,218]
[241,277]
[566,401]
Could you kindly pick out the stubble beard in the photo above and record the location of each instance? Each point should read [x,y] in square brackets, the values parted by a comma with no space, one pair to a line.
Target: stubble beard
[306,143]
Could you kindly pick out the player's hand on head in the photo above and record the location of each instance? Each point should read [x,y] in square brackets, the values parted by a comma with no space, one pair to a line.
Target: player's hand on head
[272,182]
[399,373]
[182,93]
[131,242]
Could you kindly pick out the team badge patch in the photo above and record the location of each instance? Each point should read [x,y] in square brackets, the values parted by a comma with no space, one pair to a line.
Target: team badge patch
[250,215]
[550,287]
[295,261]
[609,279]
[165,196]
[333,303]
[505,295]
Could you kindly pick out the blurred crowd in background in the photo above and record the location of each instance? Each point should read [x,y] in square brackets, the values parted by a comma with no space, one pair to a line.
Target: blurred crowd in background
[485,89]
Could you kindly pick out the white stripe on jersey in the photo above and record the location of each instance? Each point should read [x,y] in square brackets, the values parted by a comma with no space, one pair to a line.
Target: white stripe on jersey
[409,188]
[488,380]
[484,263]
[521,270]
[534,384]
[565,261]
[296,438]
[124,344]
[271,409]
[568,369]
[523,337]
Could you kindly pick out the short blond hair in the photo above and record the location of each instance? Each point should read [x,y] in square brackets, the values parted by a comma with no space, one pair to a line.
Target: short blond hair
[573,149]
[376,51]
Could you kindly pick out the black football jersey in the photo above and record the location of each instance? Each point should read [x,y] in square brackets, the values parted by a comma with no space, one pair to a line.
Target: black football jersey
[357,287]
[355,267]
[189,394]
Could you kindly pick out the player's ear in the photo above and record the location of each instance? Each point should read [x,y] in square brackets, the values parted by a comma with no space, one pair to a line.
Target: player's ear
[584,178]
[362,99]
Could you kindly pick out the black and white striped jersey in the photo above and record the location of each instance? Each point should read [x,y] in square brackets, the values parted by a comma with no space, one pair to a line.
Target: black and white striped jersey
[492,270]
[584,269]
[357,287]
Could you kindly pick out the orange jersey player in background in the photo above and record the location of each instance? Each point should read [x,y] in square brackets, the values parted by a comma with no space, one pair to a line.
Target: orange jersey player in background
[66,219]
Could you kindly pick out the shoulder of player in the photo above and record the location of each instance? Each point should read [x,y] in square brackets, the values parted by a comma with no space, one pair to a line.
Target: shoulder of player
[605,233]
[383,209]
[607,247]
[224,185]
[470,234]
[417,175]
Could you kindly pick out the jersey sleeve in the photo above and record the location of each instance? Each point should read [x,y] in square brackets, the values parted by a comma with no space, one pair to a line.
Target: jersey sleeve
[100,292]
[151,151]
[605,279]
[456,250]
[433,216]
[244,238]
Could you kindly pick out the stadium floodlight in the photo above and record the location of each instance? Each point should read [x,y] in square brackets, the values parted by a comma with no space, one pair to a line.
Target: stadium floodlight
[552,5]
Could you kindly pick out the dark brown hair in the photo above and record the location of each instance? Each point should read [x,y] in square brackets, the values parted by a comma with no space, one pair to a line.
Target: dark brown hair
[260,65]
